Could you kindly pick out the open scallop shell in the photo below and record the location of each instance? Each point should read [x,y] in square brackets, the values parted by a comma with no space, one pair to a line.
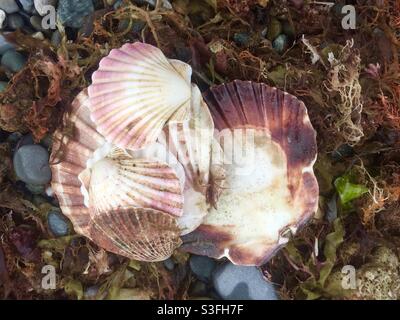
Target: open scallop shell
[68,160]
[120,180]
[136,233]
[77,163]
[135,92]
[270,191]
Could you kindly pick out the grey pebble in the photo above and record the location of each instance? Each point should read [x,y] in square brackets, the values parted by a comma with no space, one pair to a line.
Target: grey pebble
[36,22]
[56,38]
[280,43]
[202,267]
[27,5]
[36,189]
[3,17]
[3,86]
[72,13]
[31,164]
[15,21]
[169,264]
[4,45]
[13,60]
[9,6]
[58,224]
[242,283]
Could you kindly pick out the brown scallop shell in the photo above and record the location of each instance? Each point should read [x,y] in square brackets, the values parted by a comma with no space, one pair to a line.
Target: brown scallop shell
[250,224]
[67,163]
[136,233]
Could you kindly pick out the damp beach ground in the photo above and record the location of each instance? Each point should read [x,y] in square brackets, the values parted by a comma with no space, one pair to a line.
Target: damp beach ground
[349,79]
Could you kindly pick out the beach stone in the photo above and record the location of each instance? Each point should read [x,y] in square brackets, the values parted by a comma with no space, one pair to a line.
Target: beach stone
[36,189]
[202,267]
[41,6]
[13,60]
[31,164]
[281,42]
[36,22]
[72,13]
[242,283]
[169,264]
[4,45]
[3,86]
[27,5]
[15,21]
[58,224]
[3,17]
[9,6]
[56,38]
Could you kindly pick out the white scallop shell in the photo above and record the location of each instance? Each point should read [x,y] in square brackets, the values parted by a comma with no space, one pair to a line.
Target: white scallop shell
[135,92]
[120,180]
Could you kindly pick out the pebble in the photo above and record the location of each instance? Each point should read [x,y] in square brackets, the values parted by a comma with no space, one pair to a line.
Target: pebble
[2,18]
[73,12]
[13,60]
[9,6]
[40,6]
[4,45]
[242,39]
[56,38]
[36,22]
[242,283]
[169,264]
[202,267]
[36,189]
[3,86]
[38,35]
[31,164]
[280,44]
[15,21]
[27,5]
[58,224]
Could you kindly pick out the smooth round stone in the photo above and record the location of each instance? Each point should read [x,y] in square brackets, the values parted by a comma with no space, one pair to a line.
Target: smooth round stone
[2,18]
[56,38]
[169,264]
[72,13]
[13,60]
[241,39]
[31,164]
[27,5]
[58,224]
[36,189]
[3,86]
[38,35]
[36,22]
[4,45]
[280,44]
[15,21]
[41,6]
[9,6]
[202,267]
[242,283]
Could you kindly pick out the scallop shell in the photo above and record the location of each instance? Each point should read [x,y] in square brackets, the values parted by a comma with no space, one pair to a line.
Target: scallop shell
[269,149]
[135,92]
[68,160]
[76,154]
[191,142]
[120,180]
[136,233]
